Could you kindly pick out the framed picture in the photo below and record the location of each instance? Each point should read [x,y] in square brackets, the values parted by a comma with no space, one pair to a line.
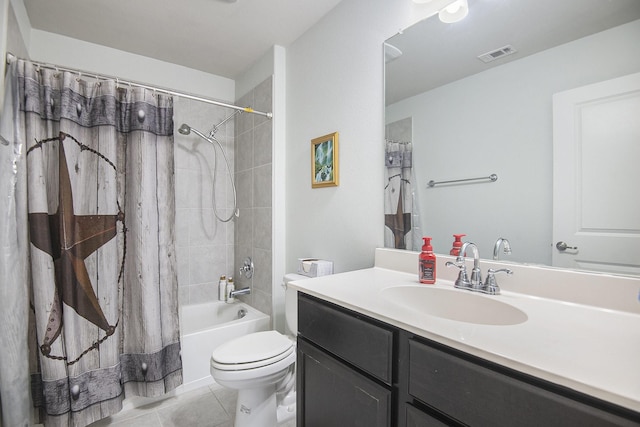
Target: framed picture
[324,161]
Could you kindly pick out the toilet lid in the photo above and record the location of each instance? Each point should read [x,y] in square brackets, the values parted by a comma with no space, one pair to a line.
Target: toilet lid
[252,348]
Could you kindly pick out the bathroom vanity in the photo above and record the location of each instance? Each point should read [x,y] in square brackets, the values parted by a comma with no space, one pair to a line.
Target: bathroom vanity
[367,356]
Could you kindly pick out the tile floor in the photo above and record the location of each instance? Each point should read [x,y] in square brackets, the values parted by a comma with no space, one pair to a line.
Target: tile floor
[210,406]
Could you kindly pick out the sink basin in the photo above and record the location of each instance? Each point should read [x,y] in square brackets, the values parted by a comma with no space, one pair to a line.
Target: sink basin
[454,304]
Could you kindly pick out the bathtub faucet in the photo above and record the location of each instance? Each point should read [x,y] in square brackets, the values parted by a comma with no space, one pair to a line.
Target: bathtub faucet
[243,291]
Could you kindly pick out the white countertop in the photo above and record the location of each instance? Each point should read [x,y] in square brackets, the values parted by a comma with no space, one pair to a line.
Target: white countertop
[594,350]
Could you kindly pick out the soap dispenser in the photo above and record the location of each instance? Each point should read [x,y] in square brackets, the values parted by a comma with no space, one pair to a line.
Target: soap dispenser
[457,244]
[427,263]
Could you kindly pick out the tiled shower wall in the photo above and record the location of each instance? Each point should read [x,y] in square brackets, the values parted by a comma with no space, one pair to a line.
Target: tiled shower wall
[253,166]
[204,245]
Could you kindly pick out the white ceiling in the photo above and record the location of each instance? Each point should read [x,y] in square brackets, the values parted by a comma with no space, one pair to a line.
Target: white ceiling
[435,53]
[225,38]
[221,37]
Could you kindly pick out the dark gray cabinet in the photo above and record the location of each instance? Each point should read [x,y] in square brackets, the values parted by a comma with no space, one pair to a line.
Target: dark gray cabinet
[349,336]
[336,395]
[418,418]
[479,395]
[344,368]
[356,371]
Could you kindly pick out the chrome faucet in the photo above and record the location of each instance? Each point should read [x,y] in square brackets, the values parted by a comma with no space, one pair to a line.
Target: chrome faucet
[506,247]
[490,286]
[463,282]
[476,275]
[243,291]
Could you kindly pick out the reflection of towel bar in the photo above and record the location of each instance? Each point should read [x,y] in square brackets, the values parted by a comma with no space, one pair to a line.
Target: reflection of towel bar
[493,178]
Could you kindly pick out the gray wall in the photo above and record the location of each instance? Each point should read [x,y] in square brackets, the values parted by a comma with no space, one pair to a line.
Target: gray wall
[253,166]
[15,42]
[204,245]
[335,81]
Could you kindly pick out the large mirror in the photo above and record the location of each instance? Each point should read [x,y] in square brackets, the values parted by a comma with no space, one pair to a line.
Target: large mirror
[466,118]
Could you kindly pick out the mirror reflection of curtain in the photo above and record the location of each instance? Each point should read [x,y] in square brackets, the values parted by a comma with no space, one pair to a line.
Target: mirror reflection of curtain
[402,221]
[103,282]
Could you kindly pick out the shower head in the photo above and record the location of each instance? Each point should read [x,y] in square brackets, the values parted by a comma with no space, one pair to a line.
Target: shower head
[185,129]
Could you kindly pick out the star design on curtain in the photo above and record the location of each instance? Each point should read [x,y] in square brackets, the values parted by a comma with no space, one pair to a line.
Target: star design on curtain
[70,239]
[399,223]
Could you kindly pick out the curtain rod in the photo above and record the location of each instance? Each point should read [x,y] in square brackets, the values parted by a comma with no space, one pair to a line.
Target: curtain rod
[12,58]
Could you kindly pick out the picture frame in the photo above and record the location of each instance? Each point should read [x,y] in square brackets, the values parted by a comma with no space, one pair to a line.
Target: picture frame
[324,161]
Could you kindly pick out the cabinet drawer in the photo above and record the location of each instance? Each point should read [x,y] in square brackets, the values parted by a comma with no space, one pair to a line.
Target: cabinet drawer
[348,335]
[477,395]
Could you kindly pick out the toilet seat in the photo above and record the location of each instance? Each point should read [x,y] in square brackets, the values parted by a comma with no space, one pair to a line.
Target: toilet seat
[252,351]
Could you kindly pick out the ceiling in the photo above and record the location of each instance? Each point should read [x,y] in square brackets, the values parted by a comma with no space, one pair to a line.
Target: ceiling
[225,37]
[434,53]
[221,37]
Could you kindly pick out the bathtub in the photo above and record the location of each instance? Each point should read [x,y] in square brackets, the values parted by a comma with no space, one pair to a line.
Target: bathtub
[203,327]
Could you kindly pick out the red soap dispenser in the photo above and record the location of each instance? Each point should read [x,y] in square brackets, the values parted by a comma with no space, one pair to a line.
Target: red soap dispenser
[457,244]
[427,263]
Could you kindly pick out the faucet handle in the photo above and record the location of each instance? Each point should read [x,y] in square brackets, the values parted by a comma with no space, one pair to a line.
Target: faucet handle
[460,265]
[462,281]
[501,270]
[491,285]
[247,268]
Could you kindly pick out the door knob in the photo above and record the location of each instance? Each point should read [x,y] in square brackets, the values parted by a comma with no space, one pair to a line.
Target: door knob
[562,246]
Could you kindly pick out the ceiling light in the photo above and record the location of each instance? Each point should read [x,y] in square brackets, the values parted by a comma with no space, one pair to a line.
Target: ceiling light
[455,12]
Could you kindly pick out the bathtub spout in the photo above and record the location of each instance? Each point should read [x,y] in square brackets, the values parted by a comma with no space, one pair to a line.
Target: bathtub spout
[243,291]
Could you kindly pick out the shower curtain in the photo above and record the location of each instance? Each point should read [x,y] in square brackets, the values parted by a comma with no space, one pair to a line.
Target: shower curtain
[401,218]
[14,301]
[101,262]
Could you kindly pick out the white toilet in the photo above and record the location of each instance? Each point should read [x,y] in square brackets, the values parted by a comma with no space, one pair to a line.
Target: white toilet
[261,366]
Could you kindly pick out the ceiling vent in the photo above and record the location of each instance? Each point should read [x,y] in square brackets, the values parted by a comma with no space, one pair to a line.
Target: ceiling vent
[497,53]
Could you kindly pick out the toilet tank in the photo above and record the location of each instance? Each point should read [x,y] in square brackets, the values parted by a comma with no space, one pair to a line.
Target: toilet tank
[291,303]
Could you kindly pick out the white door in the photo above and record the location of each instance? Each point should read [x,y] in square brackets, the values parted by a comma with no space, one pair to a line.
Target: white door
[596,181]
